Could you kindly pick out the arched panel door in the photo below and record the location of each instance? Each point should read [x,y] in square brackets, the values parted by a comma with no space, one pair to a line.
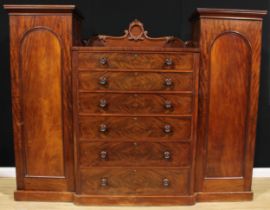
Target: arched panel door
[230,69]
[41,91]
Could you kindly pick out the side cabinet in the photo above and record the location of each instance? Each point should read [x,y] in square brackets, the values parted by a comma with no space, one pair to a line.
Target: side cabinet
[40,41]
[230,43]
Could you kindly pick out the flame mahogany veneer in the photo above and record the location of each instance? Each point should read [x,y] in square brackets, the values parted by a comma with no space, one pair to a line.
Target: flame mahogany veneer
[134,120]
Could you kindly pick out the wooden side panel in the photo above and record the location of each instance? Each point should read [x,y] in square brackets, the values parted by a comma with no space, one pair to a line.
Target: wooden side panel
[41,100]
[228,101]
[42,103]
[228,105]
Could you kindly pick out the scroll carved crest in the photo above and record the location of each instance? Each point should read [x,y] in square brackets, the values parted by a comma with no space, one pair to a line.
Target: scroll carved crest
[135,36]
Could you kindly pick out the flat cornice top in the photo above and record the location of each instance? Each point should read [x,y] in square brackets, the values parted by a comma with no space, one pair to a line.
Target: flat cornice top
[36,8]
[228,13]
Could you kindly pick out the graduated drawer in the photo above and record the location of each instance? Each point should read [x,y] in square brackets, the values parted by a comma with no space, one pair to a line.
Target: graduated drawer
[134,154]
[134,128]
[135,103]
[118,60]
[135,81]
[140,181]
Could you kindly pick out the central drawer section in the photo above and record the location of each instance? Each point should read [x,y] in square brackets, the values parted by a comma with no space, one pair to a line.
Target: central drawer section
[134,116]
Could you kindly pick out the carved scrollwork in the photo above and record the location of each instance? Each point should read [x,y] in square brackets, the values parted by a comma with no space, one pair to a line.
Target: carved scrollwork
[135,32]
[135,36]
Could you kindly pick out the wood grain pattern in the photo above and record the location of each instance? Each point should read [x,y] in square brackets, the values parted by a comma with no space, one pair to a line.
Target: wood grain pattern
[15,9]
[42,82]
[135,60]
[134,128]
[227,113]
[48,196]
[227,117]
[230,184]
[121,154]
[224,197]
[131,140]
[260,187]
[135,81]
[135,200]
[42,105]
[134,181]
[135,103]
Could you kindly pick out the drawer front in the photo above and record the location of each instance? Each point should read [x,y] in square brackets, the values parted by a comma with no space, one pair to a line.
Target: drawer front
[119,154]
[141,81]
[135,103]
[135,60]
[138,181]
[134,128]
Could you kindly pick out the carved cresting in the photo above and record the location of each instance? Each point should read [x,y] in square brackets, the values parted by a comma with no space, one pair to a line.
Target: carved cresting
[135,32]
[134,36]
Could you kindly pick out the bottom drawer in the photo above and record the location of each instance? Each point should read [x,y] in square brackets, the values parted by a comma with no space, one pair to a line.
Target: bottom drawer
[128,181]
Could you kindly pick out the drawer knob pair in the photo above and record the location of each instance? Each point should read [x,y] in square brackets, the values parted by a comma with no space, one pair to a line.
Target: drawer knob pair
[103,128]
[167,82]
[104,155]
[103,104]
[104,182]
[168,61]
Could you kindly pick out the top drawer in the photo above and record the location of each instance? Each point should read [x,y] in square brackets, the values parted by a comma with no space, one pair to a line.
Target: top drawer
[120,60]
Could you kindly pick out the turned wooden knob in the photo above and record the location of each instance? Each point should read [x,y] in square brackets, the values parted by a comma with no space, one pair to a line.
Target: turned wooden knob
[103,155]
[103,103]
[103,128]
[168,62]
[168,82]
[103,81]
[167,155]
[168,104]
[167,128]
[103,182]
[103,61]
[165,182]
